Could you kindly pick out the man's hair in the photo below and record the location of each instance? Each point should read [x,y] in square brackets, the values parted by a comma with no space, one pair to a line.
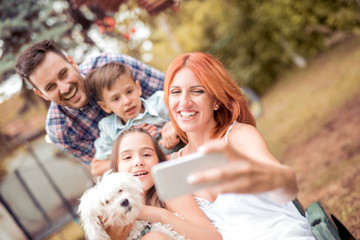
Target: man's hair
[105,77]
[28,60]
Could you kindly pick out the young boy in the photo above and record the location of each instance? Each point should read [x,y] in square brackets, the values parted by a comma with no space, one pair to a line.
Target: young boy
[117,92]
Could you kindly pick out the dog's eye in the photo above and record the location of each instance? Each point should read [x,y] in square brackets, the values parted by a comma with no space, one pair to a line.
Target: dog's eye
[120,190]
[107,201]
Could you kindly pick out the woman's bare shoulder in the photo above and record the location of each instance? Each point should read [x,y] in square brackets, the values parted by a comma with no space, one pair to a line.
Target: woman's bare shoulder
[244,131]
[243,127]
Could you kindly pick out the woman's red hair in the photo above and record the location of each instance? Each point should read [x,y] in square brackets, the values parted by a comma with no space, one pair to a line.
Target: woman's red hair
[217,81]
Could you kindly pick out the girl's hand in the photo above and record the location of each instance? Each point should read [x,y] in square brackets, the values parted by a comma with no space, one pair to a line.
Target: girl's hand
[169,136]
[246,175]
[116,232]
[148,127]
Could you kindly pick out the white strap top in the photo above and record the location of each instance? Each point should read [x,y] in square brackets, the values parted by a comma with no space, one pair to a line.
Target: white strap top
[250,216]
[225,137]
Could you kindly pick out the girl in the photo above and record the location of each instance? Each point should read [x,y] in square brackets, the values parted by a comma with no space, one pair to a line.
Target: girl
[135,151]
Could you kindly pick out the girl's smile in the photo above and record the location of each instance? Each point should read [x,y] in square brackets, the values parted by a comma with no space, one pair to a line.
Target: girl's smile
[137,156]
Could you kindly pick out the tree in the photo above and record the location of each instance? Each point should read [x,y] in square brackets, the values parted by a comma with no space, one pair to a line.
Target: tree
[24,22]
[273,35]
[257,40]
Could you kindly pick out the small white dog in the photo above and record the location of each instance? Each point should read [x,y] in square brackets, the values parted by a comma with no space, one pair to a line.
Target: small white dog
[117,198]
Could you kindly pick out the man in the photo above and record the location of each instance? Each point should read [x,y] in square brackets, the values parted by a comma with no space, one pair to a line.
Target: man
[73,115]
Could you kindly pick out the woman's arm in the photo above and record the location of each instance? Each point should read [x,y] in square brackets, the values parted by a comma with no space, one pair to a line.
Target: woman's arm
[251,169]
[193,223]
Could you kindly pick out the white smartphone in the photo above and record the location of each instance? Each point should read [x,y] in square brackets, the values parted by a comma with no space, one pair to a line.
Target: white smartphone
[170,177]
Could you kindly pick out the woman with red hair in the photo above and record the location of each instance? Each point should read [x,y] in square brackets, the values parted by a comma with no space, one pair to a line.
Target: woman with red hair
[253,197]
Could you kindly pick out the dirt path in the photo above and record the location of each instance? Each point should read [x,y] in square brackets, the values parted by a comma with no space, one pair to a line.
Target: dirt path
[328,165]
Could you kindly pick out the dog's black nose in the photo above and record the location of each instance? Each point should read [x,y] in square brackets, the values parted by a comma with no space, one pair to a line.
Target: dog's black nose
[125,203]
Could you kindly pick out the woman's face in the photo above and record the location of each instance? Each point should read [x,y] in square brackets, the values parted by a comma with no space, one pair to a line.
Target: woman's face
[190,104]
[137,155]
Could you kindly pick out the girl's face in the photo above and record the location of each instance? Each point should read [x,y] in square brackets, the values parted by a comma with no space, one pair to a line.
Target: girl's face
[137,156]
[190,104]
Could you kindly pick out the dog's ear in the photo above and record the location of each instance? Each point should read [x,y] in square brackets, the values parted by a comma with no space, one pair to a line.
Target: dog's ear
[89,210]
[94,230]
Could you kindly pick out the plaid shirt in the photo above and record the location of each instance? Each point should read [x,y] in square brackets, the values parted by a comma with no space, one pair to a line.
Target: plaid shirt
[75,130]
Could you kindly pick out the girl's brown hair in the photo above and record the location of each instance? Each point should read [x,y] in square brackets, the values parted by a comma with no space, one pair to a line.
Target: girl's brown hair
[151,197]
[218,82]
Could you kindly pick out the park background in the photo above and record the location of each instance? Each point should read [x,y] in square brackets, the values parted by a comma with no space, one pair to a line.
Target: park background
[301,57]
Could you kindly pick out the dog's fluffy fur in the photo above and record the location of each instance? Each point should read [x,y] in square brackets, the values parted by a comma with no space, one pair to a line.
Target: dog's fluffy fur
[117,199]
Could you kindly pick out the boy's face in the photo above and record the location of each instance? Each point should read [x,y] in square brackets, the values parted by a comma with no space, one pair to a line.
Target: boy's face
[123,98]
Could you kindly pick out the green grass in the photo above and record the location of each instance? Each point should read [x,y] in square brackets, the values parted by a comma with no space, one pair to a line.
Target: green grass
[297,109]
[304,99]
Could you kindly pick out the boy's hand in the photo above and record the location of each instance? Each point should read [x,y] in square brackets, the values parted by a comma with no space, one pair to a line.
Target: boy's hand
[169,136]
[148,127]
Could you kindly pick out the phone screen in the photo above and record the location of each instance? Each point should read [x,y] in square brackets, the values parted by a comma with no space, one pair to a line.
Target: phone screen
[170,177]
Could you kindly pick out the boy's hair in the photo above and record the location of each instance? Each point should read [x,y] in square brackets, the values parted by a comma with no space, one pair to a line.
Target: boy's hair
[27,61]
[151,195]
[105,77]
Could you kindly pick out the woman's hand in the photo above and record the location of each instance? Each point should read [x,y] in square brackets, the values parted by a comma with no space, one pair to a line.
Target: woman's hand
[244,174]
[151,214]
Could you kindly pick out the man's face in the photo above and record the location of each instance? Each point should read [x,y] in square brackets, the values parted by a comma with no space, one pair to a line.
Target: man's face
[59,81]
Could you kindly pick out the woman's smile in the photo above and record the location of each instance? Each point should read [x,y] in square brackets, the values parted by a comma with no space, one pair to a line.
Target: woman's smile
[186,114]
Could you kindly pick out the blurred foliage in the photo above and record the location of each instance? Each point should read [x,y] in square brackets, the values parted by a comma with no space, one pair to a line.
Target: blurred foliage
[23,22]
[258,40]
[123,27]
[275,34]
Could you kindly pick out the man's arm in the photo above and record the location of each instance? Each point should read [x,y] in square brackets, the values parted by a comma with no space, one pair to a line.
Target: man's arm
[73,131]
[79,148]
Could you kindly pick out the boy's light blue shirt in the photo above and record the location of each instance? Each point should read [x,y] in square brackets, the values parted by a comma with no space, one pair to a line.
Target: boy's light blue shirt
[155,112]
